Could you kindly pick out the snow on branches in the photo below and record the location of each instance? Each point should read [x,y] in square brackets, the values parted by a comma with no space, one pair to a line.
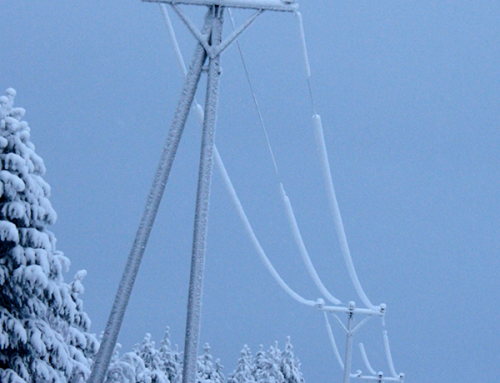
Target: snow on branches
[43,328]
[146,364]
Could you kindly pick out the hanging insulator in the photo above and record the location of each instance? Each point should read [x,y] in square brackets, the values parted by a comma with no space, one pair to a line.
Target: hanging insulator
[320,303]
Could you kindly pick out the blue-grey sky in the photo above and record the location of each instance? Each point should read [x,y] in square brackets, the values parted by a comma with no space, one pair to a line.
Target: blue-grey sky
[409,94]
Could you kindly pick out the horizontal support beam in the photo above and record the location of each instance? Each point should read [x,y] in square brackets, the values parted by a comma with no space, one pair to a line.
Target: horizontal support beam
[271,5]
[340,309]
[381,379]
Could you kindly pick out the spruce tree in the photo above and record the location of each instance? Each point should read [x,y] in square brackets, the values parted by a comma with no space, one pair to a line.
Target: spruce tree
[207,371]
[43,328]
[263,367]
[290,365]
[128,369]
[149,354]
[274,368]
[155,372]
[172,359]
[244,369]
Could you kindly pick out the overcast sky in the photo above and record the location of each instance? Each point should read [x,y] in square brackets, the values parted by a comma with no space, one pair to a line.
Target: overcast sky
[409,94]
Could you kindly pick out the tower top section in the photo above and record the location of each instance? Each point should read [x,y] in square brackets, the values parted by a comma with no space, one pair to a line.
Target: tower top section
[272,5]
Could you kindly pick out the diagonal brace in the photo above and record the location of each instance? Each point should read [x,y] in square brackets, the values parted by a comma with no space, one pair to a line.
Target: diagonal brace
[201,37]
[214,50]
[217,50]
[355,330]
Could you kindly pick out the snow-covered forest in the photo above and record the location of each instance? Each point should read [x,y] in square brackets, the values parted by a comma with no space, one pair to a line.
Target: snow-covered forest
[44,331]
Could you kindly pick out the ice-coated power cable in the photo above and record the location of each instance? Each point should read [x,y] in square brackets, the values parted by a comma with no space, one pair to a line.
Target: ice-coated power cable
[332,199]
[365,359]
[388,355]
[286,201]
[302,248]
[332,341]
[254,97]
[307,66]
[227,181]
[334,208]
[248,228]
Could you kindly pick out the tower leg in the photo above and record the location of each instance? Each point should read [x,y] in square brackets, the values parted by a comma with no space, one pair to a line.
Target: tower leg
[348,349]
[153,201]
[193,320]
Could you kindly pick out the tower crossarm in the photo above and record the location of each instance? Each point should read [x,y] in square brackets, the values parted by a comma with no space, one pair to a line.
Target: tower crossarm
[272,5]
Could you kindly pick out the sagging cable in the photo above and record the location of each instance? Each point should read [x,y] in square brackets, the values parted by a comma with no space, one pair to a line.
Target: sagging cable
[198,109]
[389,356]
[173,38]
[334,208]
[320,142]
[365,359]
[300,24]
[302,248]
[254,97]
[286,201]
[332,342]
[248,228]
[307,66]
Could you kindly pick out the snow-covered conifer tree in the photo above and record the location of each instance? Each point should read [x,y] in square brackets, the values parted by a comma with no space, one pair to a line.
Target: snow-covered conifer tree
[274,368]
[149,354]
[43,328]
[290,365]
[244,369]
[274,354]
[155,366]
[172,359]
[218,375]
[128,369]
[143,365]
[207,371]
[262,365]
[267,366]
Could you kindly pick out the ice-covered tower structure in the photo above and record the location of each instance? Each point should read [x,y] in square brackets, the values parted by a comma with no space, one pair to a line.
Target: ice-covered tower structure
[43,328]
[210,44]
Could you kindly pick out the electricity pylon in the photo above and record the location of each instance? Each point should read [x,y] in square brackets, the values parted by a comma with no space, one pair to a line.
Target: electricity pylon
[210,45]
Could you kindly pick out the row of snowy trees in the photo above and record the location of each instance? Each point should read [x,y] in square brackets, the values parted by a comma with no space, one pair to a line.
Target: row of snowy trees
[146,364]
[44,332]
[272,366]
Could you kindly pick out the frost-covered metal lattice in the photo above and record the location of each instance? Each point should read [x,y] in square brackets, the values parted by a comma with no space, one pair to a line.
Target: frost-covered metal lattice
[273,5]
